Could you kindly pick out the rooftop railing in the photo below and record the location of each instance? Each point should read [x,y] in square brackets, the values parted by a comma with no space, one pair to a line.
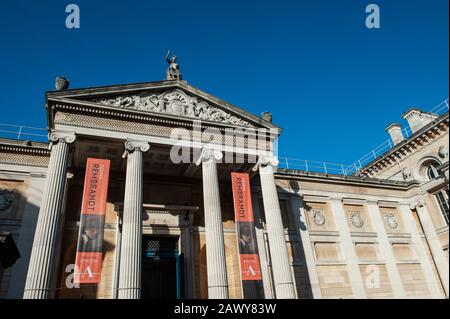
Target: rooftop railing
[312,166]
[355,168]
[21,132]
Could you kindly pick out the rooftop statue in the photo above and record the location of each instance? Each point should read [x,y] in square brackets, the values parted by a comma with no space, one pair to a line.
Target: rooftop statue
[173,71]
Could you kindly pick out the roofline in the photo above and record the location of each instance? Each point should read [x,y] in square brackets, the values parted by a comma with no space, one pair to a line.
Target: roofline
[23,143]
[407,112]
[438,120]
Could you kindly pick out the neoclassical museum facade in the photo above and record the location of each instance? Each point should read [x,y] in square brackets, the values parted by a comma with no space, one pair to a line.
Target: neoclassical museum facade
[169,228]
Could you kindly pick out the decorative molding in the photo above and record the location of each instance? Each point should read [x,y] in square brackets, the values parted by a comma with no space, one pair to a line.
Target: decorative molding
[382,203]
[24,149]
[353,201]
[315,199]
[24,155]
[174,102]
[131,123]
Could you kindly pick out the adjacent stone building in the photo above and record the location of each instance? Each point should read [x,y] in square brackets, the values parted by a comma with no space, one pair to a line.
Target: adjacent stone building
[379,233]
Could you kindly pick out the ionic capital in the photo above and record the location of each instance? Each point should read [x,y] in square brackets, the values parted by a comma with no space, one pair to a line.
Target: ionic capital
[61,136]
[265,160]
[419,202]
[208,154]
[134,145]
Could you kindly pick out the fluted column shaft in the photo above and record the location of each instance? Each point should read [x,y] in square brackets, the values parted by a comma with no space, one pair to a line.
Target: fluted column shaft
[131,245]
[282,276]
[50,219]
[215,246]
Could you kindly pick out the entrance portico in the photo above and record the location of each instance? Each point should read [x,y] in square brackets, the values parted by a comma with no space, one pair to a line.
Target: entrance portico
[137,122]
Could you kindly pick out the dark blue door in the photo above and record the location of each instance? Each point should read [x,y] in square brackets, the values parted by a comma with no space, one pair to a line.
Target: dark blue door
[161,269]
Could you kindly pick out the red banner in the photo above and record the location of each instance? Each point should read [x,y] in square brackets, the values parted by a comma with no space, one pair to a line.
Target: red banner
[245,228]
[88,261]
[250,269]
[242,197]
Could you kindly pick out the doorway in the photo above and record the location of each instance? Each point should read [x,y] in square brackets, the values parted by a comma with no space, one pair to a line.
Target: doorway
[161,269]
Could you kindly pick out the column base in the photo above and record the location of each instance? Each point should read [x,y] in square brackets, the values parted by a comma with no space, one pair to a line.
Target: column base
[285,291]
[129,293]
[218,292]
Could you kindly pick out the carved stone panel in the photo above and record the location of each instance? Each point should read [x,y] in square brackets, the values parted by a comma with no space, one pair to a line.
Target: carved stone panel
[173,102]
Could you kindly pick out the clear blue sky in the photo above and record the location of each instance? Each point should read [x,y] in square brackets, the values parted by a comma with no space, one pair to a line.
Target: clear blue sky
[331,83]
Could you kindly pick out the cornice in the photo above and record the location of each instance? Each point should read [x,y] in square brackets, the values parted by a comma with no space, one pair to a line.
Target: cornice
[90,108]
[16,147]
[344,180]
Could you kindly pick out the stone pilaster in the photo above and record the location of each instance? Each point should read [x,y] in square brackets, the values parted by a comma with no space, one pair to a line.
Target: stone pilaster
[131,245]
[50,219]
[215,246]
[419,247]
[348,248]
[299,212]
[386,250]
[282,276]
[433,241]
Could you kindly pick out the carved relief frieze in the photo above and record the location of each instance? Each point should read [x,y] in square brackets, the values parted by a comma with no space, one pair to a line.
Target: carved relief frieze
[174,102]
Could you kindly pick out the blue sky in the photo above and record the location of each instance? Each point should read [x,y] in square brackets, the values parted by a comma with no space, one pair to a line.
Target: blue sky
[332,84]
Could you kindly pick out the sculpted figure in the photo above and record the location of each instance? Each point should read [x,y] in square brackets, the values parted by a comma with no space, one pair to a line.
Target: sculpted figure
[406,172]
[173,71]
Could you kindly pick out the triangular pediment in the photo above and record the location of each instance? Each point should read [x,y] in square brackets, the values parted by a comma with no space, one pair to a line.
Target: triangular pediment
[166,98]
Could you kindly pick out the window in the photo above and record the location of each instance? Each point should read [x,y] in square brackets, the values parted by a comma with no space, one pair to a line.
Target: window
[432,171]
[442,199]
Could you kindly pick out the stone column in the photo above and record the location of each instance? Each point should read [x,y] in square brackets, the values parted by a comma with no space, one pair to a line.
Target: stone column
[215,246]
[433,241]
[131,244]
[282,276]
[50,219]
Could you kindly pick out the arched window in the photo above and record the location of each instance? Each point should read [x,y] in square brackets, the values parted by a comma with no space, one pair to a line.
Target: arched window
[432,171]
